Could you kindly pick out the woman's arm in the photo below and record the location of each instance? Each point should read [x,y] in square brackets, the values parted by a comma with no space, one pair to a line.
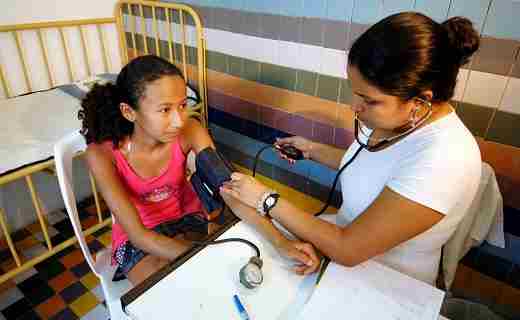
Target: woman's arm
[374,232]
[303,253]
[101,165]
[319,152]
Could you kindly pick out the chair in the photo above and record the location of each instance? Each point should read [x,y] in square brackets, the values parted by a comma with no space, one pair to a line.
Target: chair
[64,151]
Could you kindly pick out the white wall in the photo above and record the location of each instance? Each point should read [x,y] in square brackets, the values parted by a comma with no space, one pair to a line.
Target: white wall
[25,11]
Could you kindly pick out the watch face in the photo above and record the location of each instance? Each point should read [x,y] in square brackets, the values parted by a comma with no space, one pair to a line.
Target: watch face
[269,201]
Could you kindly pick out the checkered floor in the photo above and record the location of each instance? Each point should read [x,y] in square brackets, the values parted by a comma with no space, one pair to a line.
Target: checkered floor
[62,286]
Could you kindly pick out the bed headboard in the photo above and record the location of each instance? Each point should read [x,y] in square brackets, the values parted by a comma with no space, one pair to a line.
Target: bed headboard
[169,30]
[39,56]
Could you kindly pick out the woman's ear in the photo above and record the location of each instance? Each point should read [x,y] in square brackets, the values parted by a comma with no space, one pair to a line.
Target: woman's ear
[426,95]
[127,111]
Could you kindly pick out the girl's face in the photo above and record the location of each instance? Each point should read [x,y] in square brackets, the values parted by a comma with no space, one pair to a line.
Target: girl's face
[376,109]
[162,109]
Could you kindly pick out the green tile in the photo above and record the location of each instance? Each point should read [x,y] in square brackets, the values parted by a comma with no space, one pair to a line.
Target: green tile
[235,66]
[192,55]
[328,87]
[306,82]
[475,117]
[177,52]
[165,51]
[287,78]
[251,70]
[345,93]
[217,61]
[270,74]
[504,128]
[128,39]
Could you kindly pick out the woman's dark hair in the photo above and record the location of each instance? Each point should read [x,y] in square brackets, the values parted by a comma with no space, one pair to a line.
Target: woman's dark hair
[408,53]
[100,113]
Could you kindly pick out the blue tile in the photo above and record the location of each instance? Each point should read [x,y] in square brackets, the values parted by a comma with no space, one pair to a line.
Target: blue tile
[475,10]
[340,9]
[394,6]
[500,22]
[435,9]
[236,4]
[323,175]
[291,8]
[367,11]
[315,8]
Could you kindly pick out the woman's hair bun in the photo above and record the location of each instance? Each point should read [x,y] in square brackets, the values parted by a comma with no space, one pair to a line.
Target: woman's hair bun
[463,39]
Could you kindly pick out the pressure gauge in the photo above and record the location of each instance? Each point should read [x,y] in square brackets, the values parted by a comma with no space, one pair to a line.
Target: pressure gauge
[251,274]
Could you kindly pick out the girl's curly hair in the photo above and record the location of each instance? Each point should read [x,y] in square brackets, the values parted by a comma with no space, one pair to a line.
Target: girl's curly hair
[100,114]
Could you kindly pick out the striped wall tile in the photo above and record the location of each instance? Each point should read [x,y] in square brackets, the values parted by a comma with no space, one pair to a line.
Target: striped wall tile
[475,10]
[476,118]
[495,56]
[484,89]
[395,6]
[511,100]
[340,10]
[501,20]
[368,13]
[435,9]
[504,128]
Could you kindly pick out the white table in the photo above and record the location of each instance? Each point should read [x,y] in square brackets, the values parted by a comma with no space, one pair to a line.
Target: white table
[203,286]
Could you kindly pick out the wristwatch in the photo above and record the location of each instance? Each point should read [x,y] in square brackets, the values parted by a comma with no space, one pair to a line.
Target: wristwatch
[267,202]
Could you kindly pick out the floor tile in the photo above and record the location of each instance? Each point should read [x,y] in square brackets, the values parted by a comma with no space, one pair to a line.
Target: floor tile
[98,313]
[50,268]
[25,275]
[73,292]
[81,269]
[35,289]
[89,280]
[62,281]
[51,307]
[66,314]
[9,297]
[16,309]
[72,259]
[84,304]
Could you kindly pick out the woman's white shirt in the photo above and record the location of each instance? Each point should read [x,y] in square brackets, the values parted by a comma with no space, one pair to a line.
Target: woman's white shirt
[438,166]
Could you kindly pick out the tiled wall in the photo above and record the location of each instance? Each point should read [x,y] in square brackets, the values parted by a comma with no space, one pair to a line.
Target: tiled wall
[279,67]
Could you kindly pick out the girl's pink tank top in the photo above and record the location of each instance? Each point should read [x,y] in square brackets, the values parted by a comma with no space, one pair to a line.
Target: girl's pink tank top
[168,196]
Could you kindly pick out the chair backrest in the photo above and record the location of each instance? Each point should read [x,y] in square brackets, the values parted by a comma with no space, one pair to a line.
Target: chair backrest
[64,152]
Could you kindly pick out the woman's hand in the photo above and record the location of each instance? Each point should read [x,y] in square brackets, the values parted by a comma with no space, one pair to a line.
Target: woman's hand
[304,145]
[244,188]
[304,254]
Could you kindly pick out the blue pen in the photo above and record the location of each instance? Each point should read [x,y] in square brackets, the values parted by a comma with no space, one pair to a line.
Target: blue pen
[240,307]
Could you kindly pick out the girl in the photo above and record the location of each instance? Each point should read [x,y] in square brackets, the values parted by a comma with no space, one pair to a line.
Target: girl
[138,135]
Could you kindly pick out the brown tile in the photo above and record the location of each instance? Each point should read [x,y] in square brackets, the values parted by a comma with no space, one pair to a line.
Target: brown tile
[509,190]
[50,307]
[495,55]
[6,285]
[62,281]
[485,287]
[504,159]
[504,128]
[475,117]
[72,259]
[462,278]
[516,69]
[89,222]
[510,297]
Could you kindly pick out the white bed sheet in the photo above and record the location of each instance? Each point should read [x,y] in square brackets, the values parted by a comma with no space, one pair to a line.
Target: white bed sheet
[30,125]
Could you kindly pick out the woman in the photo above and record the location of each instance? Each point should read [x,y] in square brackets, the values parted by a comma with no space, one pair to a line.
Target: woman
[416,167]
[138,134]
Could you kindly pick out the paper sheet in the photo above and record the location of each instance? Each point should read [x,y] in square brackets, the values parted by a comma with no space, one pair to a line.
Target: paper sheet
[372,291]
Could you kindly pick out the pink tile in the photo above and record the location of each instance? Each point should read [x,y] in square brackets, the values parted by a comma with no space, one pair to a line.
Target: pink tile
[343,138]
[243,109]
[300,126]
[322,133]
[218,100]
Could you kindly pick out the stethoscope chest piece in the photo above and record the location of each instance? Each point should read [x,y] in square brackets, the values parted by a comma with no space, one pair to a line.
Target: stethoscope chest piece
[251,274]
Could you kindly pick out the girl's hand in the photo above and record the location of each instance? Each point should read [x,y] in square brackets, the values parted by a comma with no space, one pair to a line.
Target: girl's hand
[304,254]
[244,188]
[301,143]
